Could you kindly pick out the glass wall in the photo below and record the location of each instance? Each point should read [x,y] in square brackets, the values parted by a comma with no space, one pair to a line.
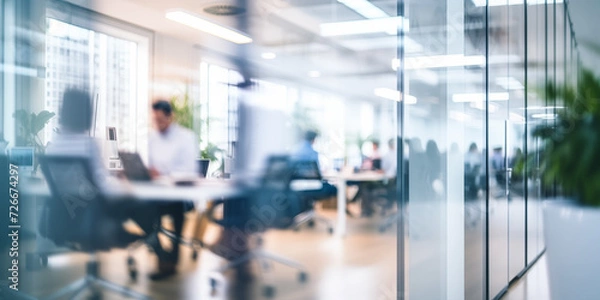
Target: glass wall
[472,162]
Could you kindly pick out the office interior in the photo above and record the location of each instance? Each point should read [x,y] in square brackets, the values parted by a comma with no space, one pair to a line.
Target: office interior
[438,78]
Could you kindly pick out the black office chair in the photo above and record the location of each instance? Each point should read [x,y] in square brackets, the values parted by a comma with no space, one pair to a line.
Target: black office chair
[285,206]
[79,217]
[307,174]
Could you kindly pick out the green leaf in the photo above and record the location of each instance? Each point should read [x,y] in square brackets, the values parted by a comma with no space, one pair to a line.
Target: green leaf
[40,121]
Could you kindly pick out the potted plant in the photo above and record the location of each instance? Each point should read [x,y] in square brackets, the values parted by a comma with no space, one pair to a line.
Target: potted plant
[29,126]
[571,160]
[183,112]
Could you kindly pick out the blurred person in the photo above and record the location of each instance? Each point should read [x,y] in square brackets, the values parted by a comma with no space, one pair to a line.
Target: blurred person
[498,170]
[389,161]
[74,140]
[472,172]
[172,151]
[306,152]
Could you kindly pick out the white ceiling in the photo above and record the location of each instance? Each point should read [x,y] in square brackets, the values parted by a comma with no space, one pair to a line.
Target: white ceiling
[351,66]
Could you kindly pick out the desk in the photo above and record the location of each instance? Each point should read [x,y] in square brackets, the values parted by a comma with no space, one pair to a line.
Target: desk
[342,180]
[200,193]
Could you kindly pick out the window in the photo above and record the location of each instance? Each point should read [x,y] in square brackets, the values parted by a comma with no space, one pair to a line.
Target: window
[112,68]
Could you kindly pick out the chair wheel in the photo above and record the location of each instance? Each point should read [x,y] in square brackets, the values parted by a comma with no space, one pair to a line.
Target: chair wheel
[194,255]
[302,277]
[268,291]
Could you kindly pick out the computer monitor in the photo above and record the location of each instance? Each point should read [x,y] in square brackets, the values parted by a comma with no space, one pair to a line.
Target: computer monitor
[22,157]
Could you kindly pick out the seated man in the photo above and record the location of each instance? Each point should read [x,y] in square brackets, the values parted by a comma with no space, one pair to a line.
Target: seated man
[172,150]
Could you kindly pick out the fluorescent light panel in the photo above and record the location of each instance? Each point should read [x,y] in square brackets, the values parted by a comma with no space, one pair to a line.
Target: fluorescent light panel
[492,108]
[544,116]
[479,97]
[268,55]
[387,25]
[439,61]
[365,8]
[194,21]
[394,95]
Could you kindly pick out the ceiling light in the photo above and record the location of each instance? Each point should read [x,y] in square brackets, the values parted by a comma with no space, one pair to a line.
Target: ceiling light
[194,21]
[475,97]
[510,2]
[544,116]
[394,95]
[439,61]
[492,108]
[387,25]
[268,55]
[314,74]
[542,107]
[364,8]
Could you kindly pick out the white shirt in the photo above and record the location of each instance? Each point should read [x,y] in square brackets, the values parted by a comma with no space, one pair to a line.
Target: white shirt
[389,163]
[174,151]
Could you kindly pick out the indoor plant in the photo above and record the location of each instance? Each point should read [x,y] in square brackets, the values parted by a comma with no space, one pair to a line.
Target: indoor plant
[571,158]
[29,126]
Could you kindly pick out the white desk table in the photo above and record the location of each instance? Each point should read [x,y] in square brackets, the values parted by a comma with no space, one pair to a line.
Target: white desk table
[203,191]
[341,180]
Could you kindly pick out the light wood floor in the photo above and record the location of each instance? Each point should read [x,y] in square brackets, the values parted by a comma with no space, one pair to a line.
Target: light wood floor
[363,265]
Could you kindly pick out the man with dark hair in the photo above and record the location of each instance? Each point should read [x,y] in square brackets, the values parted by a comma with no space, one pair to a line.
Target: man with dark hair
[172,151]
[306,152]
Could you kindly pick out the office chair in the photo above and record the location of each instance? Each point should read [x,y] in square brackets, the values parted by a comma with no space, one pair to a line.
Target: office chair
[305,172]
[79,217]
[286,208]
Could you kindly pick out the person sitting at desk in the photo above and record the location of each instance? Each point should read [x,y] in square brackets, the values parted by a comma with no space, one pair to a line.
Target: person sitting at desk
[172,150]
[306,152]
[74,140]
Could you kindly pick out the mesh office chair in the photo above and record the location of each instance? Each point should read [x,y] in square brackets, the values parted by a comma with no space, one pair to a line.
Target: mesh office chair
[79,217]
[271,206]
[305,180]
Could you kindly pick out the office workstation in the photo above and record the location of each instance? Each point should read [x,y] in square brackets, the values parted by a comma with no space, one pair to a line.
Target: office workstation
[277,149]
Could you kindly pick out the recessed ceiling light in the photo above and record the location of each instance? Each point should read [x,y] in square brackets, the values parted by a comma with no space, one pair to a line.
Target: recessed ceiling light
[196,22]
[314,74]
[387,25]
[268,55]
[475,97]
[394,95]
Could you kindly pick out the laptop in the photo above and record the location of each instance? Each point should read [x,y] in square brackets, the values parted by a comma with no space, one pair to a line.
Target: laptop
[134,167]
